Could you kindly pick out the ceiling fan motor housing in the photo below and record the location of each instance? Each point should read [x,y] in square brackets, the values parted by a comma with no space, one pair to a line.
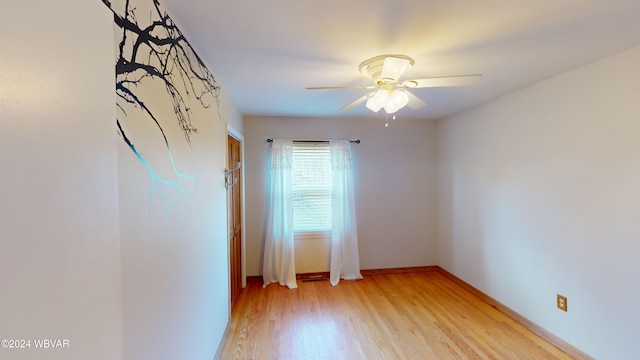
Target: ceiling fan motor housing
[373,67]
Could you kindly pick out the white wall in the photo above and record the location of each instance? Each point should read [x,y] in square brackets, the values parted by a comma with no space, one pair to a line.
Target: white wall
[89,251]
[538,194]
[59,246]
[230,114]
[394,184]
[175,251]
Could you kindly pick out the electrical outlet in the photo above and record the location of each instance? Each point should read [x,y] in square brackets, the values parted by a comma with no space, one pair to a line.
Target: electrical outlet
[561,302]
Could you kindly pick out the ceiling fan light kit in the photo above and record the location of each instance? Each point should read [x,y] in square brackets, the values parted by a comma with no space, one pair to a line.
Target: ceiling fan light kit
[391,95]
[389,99]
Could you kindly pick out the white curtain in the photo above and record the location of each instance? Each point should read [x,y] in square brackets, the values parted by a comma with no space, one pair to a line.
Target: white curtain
[279,265]
[345,261]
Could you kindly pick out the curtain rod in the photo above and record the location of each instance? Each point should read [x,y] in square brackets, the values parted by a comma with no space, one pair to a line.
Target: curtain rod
[316,141]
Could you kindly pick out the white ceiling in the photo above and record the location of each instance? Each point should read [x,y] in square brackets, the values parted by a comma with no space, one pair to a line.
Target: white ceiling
[264,53]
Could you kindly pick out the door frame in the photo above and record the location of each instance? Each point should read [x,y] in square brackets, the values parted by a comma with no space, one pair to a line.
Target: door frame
[238,136]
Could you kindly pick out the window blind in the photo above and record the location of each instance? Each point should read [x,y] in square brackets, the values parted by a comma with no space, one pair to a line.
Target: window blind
[311,170]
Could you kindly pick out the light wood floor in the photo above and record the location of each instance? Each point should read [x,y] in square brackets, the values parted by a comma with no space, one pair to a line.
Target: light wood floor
[420,315]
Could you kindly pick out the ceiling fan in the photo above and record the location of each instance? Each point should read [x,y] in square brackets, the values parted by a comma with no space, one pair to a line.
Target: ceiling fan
[390,94]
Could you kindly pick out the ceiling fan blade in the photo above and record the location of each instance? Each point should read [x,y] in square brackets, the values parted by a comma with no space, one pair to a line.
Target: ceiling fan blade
[415,102]
[358,101]
[341,87]
[459,80]
[394,67]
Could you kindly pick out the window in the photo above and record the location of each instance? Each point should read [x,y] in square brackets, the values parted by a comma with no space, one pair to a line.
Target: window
[311,170]
[310,197]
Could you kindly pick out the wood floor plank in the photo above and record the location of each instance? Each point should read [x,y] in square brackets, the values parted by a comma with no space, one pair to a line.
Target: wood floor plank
[421,315]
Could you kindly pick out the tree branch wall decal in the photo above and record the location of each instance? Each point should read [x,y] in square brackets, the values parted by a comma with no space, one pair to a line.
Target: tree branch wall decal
[154,51]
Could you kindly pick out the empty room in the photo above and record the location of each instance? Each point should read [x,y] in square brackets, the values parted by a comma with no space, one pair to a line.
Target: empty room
[190,179]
